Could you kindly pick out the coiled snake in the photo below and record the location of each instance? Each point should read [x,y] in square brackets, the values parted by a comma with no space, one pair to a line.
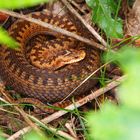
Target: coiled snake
[42,67]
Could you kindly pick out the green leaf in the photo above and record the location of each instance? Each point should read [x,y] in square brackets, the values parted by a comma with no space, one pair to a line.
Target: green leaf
[1,138]
[129,91]
[7,40]
[14,4]
[102,15]
[117,123]
[129,61]
[33,135]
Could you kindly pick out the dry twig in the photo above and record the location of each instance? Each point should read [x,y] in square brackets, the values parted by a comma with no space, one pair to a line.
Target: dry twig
[77,104]
[55,29]
[77,6]
[74,12]
[69,127]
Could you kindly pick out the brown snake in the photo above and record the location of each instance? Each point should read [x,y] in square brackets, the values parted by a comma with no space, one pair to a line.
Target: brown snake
[39,69]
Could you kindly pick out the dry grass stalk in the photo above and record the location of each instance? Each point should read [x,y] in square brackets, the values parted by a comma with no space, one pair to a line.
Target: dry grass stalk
[89,27]
[55,29]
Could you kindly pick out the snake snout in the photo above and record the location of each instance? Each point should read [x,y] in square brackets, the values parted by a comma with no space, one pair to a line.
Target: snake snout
[73,57]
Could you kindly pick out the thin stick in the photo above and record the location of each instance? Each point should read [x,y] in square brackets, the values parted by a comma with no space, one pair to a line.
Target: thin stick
[53,130]
[84,81]
[77,104]
[61,133]
[77,6]
[89,27]
[55,29]
[69,127]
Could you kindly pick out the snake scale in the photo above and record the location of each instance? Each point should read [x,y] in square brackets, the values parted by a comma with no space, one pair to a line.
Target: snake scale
[27,69]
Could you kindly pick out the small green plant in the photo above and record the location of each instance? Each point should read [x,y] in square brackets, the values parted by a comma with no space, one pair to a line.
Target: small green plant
[104,14]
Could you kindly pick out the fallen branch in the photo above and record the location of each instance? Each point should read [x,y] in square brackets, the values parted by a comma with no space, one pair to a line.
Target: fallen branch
[77,104]
[55,29]
[89,27]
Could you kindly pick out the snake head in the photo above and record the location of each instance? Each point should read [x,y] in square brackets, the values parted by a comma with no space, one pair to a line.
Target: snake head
[71,56]
[53,60]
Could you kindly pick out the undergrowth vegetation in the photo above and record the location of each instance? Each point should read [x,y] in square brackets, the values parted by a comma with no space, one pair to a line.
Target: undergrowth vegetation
[120,122]
[117,122]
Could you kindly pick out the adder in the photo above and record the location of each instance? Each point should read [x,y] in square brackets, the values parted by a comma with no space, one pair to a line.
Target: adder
[48,65]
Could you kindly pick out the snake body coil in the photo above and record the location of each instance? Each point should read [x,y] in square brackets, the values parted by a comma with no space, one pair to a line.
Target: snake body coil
[20,68]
